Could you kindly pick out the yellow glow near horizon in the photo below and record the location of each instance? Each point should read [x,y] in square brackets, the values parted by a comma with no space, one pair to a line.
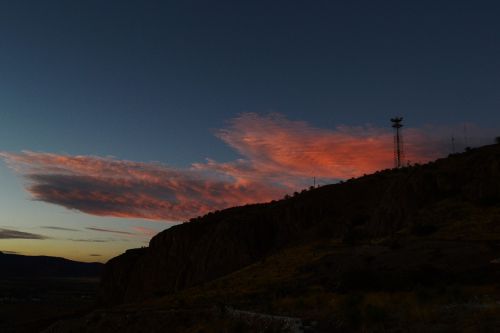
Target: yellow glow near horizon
[74,250]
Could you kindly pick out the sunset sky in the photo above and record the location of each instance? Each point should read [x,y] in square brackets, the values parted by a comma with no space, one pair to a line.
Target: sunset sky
[119,119]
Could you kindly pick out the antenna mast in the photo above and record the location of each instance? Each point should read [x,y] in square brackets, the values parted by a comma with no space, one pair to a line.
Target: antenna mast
[398,141]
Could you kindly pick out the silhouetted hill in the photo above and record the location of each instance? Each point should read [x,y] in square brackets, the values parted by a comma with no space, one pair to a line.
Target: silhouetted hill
[419,200]
[415,249]
[13,265]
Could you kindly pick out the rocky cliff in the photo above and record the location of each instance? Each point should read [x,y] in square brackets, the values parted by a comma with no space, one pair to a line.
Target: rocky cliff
[369,207]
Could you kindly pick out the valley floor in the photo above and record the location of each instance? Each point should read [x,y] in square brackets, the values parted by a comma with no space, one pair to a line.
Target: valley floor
[32,304]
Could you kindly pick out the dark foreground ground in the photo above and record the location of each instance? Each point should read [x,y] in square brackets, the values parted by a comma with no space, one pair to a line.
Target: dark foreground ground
[408,284]
[32,304]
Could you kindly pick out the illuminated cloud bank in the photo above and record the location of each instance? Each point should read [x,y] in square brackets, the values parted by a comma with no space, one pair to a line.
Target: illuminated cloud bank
[278,156]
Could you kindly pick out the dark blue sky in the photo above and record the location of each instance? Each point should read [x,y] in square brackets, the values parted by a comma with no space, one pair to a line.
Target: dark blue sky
[140,79]
[153,80]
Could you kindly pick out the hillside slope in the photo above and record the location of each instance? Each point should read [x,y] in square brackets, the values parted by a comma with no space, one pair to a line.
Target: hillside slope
[418,200]
[403,283]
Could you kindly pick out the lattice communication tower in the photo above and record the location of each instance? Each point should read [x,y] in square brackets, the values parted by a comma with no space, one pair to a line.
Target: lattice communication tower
[398,142]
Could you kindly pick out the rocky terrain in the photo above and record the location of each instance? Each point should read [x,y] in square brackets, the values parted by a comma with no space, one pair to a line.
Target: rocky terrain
[411,249]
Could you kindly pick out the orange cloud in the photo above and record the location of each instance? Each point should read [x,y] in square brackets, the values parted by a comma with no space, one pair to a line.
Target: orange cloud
[143,231]
[278,156]
[108,187]
[274,146]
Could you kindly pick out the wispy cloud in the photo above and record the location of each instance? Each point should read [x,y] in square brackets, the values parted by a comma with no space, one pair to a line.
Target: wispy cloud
[89,240]
[59,228]
[278,155]
[9,252]
[110,231]
[16,234]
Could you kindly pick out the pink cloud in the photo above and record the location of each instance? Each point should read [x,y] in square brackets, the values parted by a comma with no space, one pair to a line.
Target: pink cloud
[277,149]
[143,231]
[109,187]
[277,156]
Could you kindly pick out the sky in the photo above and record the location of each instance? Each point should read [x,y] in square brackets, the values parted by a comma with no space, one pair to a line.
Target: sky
[119,119]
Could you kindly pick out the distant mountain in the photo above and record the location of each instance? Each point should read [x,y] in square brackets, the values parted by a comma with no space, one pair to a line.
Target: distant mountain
[14,265]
